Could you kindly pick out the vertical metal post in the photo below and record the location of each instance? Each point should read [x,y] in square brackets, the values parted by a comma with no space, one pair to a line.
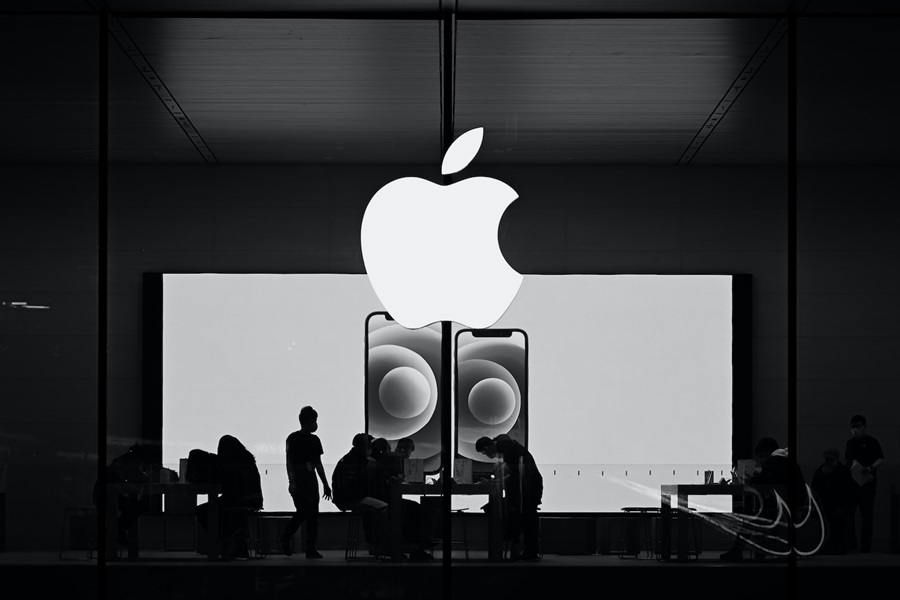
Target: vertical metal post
[448,22]
[102,268]
[792,293]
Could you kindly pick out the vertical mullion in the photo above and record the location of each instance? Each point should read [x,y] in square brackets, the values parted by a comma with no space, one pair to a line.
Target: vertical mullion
[102,299]
[447,75]
[792,292]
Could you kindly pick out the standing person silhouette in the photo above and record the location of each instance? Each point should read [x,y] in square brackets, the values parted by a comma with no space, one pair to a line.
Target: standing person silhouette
[304,463]
[866,452]
[524,488]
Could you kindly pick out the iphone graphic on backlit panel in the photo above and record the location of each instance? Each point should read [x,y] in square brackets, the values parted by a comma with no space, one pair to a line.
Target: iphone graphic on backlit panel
[402,388]
[491,383]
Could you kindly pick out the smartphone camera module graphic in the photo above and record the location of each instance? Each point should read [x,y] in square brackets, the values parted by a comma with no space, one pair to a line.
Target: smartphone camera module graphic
[491,388]
[403,374]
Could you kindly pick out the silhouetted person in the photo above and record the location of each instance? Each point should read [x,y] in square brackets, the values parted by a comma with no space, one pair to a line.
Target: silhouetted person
[304,463]
[353,484]
[202,467]
[132,467]
[524,488]
[390,470]
[379,447]
[353,478]
[777,477]
[390,467]
[238,475]
[832,485]
[864,449]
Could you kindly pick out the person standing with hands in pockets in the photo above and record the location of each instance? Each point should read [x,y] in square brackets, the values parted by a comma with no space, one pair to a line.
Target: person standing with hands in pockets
[304,463]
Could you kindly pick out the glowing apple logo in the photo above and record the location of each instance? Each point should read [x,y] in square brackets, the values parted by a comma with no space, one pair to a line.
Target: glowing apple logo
[432,252]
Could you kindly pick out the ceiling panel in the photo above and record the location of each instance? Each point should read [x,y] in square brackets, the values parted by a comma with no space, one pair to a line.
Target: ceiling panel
[302,91]
[626,6]
[471,8]
[47,6]
[464,7]
[596,91]
[279,6]
[558,90]
[830,7]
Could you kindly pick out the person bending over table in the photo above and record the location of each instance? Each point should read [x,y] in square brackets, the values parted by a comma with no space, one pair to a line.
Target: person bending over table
[412,518]
[524,487]
[238,474]
[777,473]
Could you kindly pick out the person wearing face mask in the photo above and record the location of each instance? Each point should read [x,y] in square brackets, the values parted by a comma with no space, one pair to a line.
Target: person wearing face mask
[863,455]
[304,463]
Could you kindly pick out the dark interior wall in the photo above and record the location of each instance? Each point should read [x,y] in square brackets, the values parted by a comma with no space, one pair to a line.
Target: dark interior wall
[848,326]
[48,356]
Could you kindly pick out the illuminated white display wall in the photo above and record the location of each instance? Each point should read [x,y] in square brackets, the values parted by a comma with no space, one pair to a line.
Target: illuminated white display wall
[629,376]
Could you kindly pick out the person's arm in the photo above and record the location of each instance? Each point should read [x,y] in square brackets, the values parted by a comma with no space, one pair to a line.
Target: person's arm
[880,453]
[849,457]
[504,470]
[290,468]
[321,471]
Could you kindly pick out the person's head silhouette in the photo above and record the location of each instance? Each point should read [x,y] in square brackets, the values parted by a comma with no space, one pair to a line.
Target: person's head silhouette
[309,419]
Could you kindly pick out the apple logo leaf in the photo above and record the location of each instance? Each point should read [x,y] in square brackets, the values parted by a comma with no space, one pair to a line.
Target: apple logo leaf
[462,151]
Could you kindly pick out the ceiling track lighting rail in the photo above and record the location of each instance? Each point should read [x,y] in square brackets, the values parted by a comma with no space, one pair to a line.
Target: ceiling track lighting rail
[740,83]
[117,30]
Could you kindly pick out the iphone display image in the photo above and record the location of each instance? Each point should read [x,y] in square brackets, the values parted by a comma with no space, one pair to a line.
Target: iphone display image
[491,390]
[403,381]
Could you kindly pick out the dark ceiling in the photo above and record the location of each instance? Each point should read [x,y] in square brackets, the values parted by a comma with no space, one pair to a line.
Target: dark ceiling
[354,81]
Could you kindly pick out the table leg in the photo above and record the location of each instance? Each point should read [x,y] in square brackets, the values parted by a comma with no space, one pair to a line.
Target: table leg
[395,523]
[133,532]
[212,527]
[682,527]
[665,550]
[495,524]
[112,525]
